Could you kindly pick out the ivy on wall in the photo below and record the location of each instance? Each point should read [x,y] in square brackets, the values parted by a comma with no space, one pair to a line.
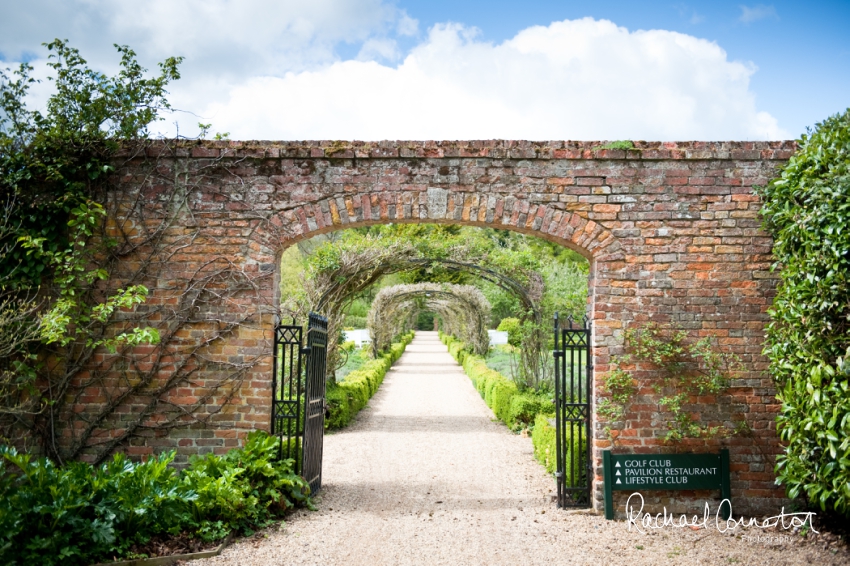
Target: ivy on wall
[678,371]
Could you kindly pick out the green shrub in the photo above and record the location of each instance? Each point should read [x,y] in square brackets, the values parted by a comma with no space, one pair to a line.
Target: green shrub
[77,513]
[242,490]
[347,397]
[543,439]
[82,514]
[807,209]
[526,406]
[513,327]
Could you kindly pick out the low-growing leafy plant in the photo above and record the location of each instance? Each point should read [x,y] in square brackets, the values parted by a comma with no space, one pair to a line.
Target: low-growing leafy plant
[81,514]
[619,144]
[244,489]
[78,513]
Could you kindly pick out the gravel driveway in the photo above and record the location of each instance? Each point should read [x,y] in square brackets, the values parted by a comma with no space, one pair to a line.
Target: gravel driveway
[425,475]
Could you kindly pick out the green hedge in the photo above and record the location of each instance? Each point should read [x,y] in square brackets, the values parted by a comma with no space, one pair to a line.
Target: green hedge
[515,409]
[81,514]
[543,438]
[807,210]
[347,397]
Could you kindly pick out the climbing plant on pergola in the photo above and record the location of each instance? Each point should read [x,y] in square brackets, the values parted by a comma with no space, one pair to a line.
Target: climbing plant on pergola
[337,272]
[463,308]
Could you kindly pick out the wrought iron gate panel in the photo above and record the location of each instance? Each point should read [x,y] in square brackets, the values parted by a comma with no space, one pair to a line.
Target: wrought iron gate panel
[298,395]
[314,400]
[573,374]
[287,392]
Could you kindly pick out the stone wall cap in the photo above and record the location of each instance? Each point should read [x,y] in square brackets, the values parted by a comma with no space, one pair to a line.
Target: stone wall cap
[498,149]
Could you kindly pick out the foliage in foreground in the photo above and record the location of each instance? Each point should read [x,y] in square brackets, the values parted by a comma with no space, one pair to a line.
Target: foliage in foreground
[82,514]
[807,209]
[347,397]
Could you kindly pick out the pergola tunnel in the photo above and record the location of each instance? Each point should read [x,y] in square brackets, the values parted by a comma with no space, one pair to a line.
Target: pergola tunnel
[463,309]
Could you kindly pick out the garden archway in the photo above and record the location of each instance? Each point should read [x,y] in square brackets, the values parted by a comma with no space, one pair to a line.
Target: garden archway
[671,232]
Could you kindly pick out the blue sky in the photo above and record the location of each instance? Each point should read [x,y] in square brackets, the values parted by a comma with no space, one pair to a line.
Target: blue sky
[385,69]
[801,48]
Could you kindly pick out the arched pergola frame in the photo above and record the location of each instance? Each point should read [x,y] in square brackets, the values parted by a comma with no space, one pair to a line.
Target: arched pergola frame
[464,309]
[332,286]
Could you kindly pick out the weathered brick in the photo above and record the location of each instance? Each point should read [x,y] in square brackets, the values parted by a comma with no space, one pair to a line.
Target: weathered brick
[672,228]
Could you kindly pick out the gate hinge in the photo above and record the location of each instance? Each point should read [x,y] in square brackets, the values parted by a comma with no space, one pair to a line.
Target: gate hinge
[559,474]
[557,353]
[305,351]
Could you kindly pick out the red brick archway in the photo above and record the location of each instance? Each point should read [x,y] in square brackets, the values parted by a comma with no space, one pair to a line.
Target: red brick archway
[671,230]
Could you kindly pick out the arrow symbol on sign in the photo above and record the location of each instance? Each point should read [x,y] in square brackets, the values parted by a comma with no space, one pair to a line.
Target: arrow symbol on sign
[618,473]
[617,465]
[618,480]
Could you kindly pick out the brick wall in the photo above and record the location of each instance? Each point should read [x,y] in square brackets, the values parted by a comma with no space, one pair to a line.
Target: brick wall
[671,230]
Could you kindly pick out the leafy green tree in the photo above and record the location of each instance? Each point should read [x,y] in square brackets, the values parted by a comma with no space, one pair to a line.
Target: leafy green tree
[52,162]
[807,209]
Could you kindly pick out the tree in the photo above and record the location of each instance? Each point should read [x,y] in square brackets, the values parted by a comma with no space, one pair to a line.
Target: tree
[807,209]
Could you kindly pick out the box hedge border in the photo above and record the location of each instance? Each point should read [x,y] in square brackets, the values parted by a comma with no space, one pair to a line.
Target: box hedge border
[347,397]
[518,410]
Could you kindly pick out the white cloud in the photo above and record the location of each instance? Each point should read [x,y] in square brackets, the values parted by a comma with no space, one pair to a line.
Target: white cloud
[407,25]
[581,79]
[374,48]
[224,42]
[756,13]
[272,70]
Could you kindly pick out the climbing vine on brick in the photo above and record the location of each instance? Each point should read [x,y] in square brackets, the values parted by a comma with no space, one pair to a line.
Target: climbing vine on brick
[683,374]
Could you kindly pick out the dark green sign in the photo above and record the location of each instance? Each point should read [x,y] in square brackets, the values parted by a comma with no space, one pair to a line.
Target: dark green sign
[641,472]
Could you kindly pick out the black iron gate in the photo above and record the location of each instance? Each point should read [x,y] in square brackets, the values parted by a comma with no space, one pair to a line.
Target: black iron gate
[314,400]
[573,374]
[298,395]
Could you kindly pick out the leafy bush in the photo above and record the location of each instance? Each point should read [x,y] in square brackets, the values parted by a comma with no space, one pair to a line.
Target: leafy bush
[82,514]
[347,397]
[244,489]
[526,406]
[512,327]
[543,439]
[807,209]
[77,514]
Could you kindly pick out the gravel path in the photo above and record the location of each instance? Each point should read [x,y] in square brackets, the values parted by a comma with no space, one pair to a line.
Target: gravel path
[425,475]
